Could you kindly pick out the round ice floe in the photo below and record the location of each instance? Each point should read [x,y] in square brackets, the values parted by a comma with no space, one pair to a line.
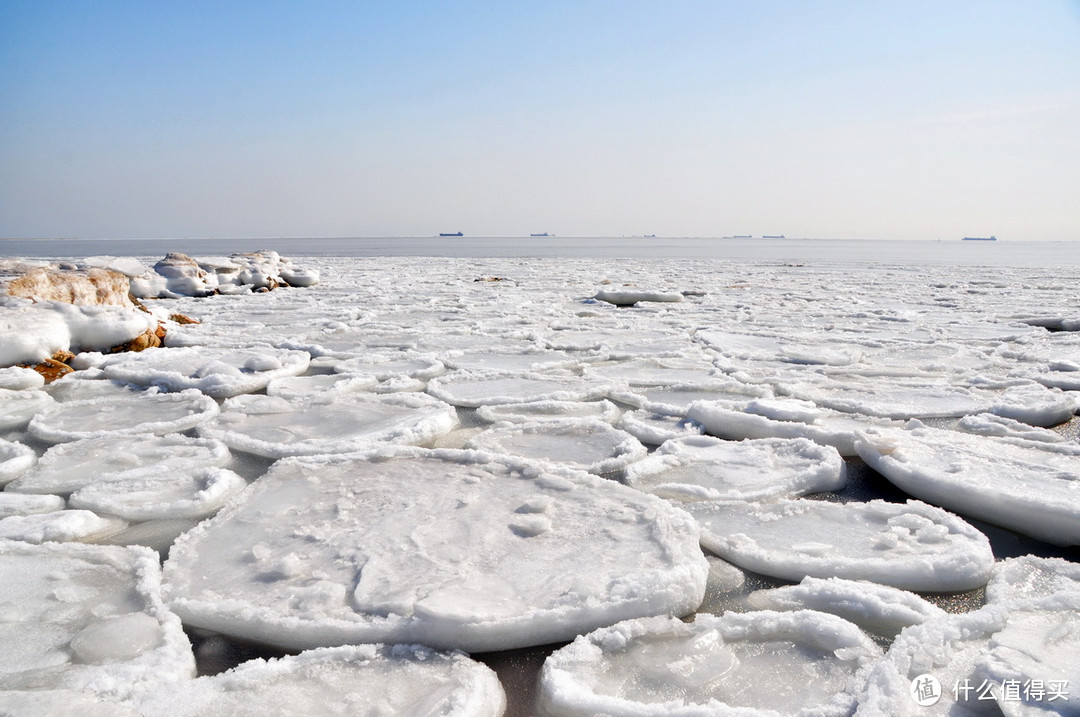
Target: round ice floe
[673,400]
[754,664]
[507,362]
[18,407]
[897,399]
[59,526]
[67,467]
[86,617]
[189,495]
[1032,488]
[645,372]
[293,388]
[470,391]
[129,415]
[451,549]
[586,444]
[362,679]
[879,609]
[1036,405]
[273,427]
[17,378]
[629,297]
[707,468]
[549,411]
[15,459]
[972,655]
[987,424]
[653,428]
[216,372]
[1032,577]
[388,367]
[19,504]
[910,545]
[782,418]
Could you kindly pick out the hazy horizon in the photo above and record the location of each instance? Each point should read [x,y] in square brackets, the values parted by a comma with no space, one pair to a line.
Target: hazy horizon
[836,119]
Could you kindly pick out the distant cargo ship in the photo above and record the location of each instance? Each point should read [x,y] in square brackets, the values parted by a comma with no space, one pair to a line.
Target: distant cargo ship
[773,236]
[451,234]
[542,234]
[990,238]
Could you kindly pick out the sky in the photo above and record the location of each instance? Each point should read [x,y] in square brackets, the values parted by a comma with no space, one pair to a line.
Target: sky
[890,119]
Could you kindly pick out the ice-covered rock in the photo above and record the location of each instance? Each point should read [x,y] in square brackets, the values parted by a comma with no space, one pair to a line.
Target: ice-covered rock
[549,411]
[216,372]
[15,459]
[60,526]
[472,390]
[913,546]
[273,427]
[164,496]
[356,679]
[586,444]
[501,554]
[759,664]
[67,467]
[94,287]
[876,608]
[707,468]
[1030,487]
[147,412]
[86,617]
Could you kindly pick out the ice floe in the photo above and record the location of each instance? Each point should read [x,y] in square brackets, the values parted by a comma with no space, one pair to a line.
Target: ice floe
[311,555]
[274,427]
[18,407]
[629,297]
[86,617]
[759,664]
[17,378]
[473,390]
[1029,576]
[549,411]
[294,388]
[586,444]
[1030,487]
[359,679]
[147,412]
[15,459]
[21,504]
[913,546]
[190,495]
[652,429]
[60,526]
[707,468]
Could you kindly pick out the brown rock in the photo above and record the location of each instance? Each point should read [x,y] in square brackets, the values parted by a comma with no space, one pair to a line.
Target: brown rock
[181,319]
[51,368]
[149,339]
[96,287]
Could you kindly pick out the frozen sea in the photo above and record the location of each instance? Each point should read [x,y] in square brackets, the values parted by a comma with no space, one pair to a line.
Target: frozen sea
[860,434]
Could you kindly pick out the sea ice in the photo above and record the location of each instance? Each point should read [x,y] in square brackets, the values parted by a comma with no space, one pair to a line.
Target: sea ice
[583,443]
[33,703]
[130,415]
[988,424]
[311,554]
[86,617]
[646,372]
[384,368]
[511,363]
[472,390]
[758,664]
[219,373]
[351,680]
[171,496]
[19,504]
[302,388]
[18,407]
[706,468]
[17,378]
[60,526]
[629,297]
[913,546]
[273,427]
[879,609]
[1030,576]
[15,459]
[673,399]
[652,429]
[896,399]
[67,467]
[1027,486]
[549,411]
[1035,404]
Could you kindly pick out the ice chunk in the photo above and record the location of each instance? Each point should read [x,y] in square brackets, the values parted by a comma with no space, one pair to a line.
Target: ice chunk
[1035,404]
[587,444]
[629,297]
[707,468]
[17,504]
[1032,577]
[513,363]
[897,399]
[879,609]
[653,428]
[387,367]
[188,495]
[674,399]
[307,387]
[913,546]
[1032,488]
[987,424]
[59,526]
[15,459]
[86,617]
[356,679]
[66,467]
[761,663]
[218,373]
[549,410]
[645,372]
[311,554]
[273,427]
[128,415]
[18,407]
[472,390]
[17,378]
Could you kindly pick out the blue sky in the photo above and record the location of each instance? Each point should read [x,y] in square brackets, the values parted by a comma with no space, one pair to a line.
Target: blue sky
[898,119]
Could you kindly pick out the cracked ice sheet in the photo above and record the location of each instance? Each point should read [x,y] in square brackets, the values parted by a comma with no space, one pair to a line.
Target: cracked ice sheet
[219,373]
[311,554]
[272,427]
[351,680]
[1027,486]
[757,664]
[913,546]
[86,617]
[707,468]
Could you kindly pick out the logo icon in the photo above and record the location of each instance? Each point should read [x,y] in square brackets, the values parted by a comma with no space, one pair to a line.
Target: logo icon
[925,690]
